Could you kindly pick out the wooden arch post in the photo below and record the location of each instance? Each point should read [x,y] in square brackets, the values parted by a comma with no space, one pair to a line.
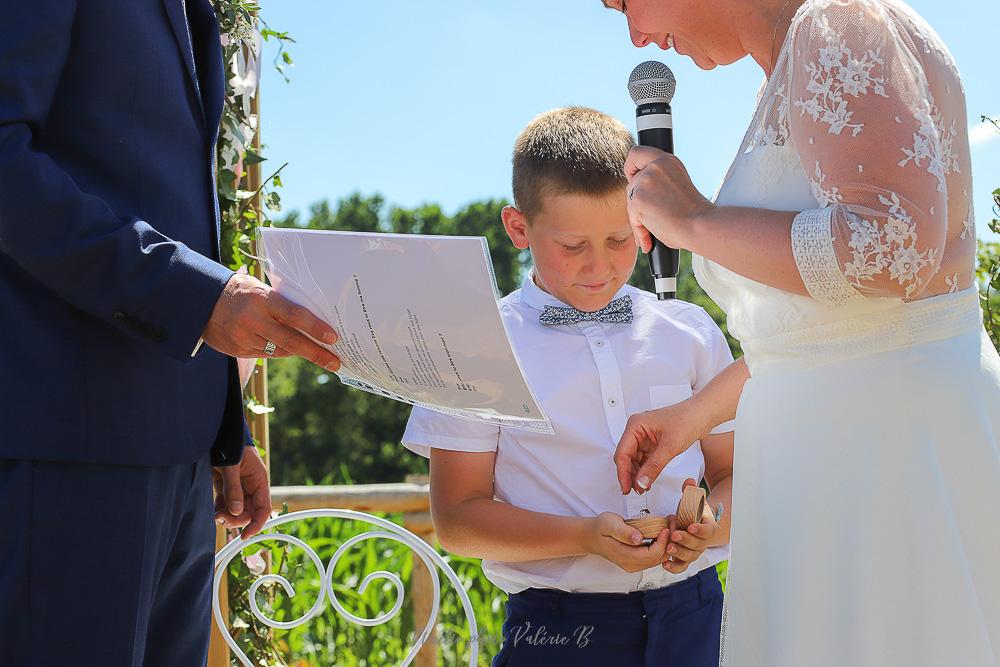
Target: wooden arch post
[218,651]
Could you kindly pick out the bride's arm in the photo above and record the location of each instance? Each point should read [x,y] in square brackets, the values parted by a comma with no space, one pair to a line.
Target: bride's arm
[652,439]
[752,242]
[716,402]
[877,153]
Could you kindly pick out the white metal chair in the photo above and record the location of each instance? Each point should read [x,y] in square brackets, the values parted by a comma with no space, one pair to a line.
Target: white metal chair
[387,530]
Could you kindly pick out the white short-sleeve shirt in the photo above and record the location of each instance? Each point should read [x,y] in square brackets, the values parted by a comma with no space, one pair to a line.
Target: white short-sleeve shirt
[589,378]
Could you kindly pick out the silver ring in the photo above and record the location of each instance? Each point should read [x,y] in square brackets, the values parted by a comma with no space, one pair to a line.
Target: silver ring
[630,193]
[270,348]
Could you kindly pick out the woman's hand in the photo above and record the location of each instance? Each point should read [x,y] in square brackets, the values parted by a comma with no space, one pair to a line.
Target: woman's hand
[652,439]
[609,536]
[662,200]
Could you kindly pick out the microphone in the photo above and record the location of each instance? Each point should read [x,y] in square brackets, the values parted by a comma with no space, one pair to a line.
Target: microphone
[652,87]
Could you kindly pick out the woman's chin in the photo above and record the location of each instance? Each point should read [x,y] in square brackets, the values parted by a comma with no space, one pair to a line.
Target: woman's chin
[704,63]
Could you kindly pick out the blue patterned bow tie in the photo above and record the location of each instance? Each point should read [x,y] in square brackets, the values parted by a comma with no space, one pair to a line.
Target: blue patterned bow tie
[618,311]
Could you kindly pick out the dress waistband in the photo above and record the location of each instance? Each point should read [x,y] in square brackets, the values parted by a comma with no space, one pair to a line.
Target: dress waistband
[911,323]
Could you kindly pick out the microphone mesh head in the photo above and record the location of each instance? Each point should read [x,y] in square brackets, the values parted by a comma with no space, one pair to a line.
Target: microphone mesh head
[652,80]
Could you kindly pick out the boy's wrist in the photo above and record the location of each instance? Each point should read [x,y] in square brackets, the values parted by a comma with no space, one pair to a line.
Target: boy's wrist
[587,530]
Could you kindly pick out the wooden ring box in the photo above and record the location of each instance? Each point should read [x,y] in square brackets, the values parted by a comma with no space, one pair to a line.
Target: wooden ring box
[690,510]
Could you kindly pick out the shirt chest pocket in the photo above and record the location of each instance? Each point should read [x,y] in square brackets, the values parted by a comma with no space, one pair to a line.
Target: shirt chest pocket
[662,395]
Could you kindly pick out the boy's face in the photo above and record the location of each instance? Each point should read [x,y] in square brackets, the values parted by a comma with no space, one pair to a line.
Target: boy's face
[582,247]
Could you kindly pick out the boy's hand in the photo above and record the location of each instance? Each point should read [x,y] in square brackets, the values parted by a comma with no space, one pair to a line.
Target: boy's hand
[686,546]
[620,543]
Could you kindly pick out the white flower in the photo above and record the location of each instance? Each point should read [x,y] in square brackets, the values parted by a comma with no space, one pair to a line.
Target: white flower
[898,231]
[855,78]
[906,262]
[255,563]
[863,233]
[831,55]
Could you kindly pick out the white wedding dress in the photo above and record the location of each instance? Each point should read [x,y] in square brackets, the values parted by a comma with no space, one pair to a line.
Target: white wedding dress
[866,501]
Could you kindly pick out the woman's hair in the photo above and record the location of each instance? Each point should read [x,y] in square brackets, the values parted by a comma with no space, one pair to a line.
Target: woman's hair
[573,150]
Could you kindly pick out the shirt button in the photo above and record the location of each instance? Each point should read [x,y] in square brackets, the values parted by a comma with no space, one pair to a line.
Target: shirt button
[612,402]
[598,343]
[647,586]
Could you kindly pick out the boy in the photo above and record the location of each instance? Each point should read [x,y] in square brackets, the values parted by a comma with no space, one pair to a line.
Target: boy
[546,512]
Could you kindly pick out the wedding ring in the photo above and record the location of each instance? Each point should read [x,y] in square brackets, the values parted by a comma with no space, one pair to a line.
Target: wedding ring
[630,193]
[269,348]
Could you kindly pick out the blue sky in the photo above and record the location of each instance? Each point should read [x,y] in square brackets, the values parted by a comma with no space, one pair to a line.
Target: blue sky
[421,101]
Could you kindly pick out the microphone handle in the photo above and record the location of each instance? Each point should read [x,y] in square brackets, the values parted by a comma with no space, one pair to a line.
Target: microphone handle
[655,124]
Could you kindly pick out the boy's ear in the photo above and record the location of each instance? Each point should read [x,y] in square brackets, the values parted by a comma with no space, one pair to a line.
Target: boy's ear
[516,225]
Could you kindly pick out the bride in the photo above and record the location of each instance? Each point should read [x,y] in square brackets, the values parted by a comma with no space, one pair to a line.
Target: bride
[841,246]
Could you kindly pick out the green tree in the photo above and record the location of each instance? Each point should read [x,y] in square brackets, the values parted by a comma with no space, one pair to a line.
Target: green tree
[988,267]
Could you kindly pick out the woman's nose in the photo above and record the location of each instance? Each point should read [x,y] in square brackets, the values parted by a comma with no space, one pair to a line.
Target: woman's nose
[640,39]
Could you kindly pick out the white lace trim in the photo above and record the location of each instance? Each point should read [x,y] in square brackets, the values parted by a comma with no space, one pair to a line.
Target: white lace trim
[812,245]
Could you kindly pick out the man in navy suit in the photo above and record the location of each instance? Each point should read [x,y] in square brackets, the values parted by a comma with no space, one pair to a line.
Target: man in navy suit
[111,417]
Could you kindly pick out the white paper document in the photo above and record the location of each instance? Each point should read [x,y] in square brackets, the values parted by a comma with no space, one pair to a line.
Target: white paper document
[418,318]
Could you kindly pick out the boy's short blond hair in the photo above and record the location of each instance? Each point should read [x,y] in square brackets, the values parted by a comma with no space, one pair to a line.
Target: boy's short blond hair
[573,150]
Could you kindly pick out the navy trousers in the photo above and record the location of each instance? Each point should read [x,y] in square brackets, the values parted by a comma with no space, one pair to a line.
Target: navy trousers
[674,626]
[105,565]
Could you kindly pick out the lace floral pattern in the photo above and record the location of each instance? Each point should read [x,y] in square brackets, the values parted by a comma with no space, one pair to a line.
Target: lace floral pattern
[880,140]
[890,245]
[859,86]
[825,197]
[934,143]
[952,283]
[969,226]
[838,75]
[775,134]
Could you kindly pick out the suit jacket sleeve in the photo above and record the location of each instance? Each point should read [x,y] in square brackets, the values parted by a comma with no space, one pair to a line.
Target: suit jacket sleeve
[110,264]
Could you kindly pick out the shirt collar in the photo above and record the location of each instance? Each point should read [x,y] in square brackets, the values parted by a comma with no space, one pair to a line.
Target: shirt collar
[537,298]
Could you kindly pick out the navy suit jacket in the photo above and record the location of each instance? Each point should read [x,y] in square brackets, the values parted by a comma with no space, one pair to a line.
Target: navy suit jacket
[109,234]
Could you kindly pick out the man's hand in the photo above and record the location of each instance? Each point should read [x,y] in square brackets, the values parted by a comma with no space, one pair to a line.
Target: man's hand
[620,543]
[687,546]
[243,494]
[250,313]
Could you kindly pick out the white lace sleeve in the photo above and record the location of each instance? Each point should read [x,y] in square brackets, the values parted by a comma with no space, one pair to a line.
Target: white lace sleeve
[872,141]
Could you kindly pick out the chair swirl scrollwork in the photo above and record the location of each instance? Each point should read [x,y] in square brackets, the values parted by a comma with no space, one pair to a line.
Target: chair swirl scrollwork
[388,531]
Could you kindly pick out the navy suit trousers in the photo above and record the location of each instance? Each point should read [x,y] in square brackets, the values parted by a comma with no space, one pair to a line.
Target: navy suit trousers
[105,565]
[675,626]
